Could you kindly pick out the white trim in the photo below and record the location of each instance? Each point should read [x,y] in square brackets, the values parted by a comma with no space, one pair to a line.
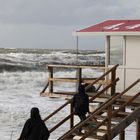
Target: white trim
[105,33]
[124,62]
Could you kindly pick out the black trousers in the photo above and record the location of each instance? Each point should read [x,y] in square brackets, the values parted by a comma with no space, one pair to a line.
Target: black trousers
[82,118]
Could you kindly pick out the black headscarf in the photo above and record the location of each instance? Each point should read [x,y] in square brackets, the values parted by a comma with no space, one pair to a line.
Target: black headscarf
[81,89]
[35,113]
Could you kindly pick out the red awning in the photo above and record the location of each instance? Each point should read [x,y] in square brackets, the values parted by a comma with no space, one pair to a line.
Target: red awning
[112,27]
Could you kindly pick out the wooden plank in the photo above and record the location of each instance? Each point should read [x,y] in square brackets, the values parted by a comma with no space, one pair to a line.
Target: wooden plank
[125,122]
[94,137]
[74,80]
[125,98]
[58,95]
[76,66]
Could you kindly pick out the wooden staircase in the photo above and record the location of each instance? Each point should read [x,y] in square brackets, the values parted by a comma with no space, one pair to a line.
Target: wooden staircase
[109,118]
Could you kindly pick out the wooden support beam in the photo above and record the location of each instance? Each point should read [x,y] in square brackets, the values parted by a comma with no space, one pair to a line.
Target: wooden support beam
[122,134]
[138,129]
[50,69]
[125,122]
[72,117]
[109,115]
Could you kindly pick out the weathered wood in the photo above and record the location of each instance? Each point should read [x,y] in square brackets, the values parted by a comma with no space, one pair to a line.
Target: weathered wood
[58,94]
[79,66]
[107,103]
[72,117]
[79,75]
[122,134]
[50,69]
[109,115]
[74,80]
[138,128]
[125,122]
[113,77]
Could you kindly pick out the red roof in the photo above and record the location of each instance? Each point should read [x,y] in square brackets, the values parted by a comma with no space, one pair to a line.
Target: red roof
[114,25]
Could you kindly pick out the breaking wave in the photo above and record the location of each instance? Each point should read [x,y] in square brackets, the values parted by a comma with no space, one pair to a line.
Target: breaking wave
[37,59]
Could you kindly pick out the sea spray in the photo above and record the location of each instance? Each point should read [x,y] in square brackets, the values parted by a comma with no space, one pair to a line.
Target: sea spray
[23,75]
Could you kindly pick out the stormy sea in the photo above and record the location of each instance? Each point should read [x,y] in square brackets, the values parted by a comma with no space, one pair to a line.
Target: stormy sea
[23,75]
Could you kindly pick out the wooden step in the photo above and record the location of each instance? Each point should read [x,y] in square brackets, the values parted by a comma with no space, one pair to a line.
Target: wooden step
[119,104]
[88,138]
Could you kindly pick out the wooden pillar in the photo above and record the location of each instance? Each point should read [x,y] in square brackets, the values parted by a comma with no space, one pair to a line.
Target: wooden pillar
[122,134]
[79,76]
[138,129]
[109,115]
[50,69]
[72,117]
[113,77]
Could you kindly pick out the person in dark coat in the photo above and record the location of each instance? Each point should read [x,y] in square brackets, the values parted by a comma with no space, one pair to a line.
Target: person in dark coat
[80,103]
[34,128]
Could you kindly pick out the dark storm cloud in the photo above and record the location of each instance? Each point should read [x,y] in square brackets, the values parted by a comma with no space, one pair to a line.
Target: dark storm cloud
[49,23]
[65,12]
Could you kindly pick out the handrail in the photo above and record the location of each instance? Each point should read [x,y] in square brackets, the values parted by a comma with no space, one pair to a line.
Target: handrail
[112,101]
[102,91]
[89,86]
[45,88]
[65,104]
[126,103]
[65,119]
[68,102]
[75,66]
[78,66]
[108,103]
[60,123]
[113,114]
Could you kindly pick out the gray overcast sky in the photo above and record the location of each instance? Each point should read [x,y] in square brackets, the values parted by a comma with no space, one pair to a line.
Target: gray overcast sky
[50,23]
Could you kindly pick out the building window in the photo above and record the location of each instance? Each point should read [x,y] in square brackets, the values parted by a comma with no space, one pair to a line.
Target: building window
[116,50]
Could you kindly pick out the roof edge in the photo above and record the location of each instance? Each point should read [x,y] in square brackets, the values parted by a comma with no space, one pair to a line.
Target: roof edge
[104,33]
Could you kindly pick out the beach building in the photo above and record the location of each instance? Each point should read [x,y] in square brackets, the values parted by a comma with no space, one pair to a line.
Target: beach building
[122,47]
[115,102]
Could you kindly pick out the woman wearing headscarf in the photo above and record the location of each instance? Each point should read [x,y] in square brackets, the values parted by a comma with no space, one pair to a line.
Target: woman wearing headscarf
[80,103]
[34,128]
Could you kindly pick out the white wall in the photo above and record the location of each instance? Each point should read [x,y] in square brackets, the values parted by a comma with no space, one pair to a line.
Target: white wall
[132,61]
[130,71]
[133,51]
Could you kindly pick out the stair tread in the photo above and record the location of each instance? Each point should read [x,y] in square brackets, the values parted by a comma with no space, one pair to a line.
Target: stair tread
[95,137]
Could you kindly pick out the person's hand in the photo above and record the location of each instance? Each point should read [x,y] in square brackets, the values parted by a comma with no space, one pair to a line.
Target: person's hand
[89,113]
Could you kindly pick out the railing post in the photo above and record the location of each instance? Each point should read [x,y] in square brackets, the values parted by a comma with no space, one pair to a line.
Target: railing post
[79,76]
[122,134]
[109,115]
[72,117]
[50,69]
[138,129]
[113,77]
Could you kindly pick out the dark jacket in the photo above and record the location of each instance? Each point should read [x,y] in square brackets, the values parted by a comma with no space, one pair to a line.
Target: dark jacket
[34,128]
[78,107]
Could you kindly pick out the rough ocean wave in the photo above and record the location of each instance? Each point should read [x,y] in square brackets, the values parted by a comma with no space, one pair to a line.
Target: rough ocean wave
[37,60]
[23,75]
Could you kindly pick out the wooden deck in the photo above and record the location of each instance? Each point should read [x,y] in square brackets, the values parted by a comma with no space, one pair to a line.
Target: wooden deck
[109,109]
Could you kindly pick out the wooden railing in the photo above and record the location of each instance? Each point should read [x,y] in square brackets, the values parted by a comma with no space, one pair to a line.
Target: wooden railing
[70,116]
[110,113]
[79,76]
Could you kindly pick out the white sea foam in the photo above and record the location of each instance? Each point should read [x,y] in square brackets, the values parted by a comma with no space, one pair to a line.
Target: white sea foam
[20,91]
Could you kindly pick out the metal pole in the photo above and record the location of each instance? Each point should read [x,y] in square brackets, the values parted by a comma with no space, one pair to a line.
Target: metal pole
[77,49]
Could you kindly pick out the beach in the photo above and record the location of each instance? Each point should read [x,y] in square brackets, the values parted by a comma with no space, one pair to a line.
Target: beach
[23,75]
